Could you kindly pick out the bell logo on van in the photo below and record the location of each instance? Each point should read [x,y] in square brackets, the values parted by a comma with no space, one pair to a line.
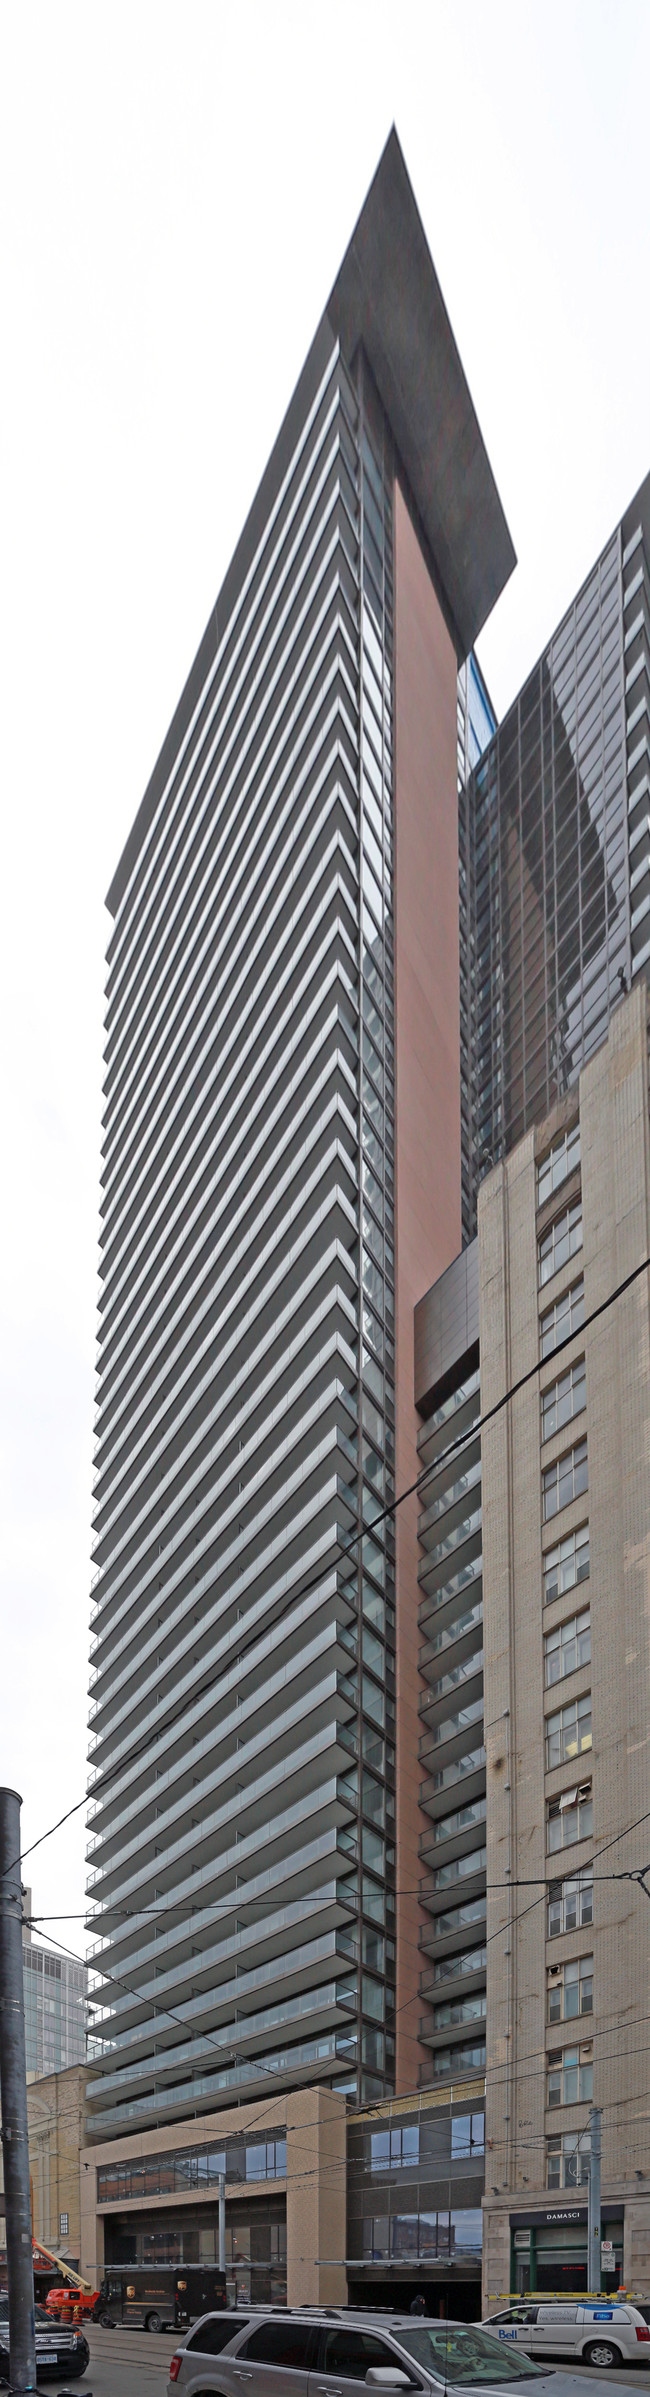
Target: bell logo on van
[600,2313]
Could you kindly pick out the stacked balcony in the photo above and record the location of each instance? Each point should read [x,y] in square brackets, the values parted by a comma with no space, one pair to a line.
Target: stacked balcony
[451,1747]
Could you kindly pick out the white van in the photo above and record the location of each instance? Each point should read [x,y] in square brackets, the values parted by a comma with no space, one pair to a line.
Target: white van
[601,2333]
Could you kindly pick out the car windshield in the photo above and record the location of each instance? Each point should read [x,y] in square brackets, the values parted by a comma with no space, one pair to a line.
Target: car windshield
[40,2315]
[467,2356]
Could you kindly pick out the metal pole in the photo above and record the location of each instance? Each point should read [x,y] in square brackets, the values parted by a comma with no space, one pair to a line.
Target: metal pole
[222,2222]
[13,2099]
[594,2266]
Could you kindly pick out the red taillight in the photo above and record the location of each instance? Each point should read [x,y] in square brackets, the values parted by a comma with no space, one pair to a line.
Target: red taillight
[643,2334]
[175,2366]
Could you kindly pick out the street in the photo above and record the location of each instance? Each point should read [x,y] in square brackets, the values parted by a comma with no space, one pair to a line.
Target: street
[129,2363]
[132,2363]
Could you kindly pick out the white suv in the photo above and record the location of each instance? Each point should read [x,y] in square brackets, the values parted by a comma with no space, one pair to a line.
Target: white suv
[600,2332]
[326,2352]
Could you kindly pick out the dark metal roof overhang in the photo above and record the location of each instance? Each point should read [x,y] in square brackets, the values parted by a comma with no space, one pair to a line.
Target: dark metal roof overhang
[386,298]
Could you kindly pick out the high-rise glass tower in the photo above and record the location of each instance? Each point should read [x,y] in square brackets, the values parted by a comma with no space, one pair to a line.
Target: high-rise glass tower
[281,1180]
[557,853]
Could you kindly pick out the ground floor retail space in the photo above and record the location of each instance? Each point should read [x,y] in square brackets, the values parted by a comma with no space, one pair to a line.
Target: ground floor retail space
[450,2298]
[256,2244]
[153,2198]
[549,2252]
[541,2249]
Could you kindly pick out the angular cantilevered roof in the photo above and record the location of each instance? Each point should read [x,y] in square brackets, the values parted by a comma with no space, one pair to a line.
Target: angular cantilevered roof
[386,297]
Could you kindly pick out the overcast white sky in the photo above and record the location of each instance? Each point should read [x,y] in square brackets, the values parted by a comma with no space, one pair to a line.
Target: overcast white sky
[178,184]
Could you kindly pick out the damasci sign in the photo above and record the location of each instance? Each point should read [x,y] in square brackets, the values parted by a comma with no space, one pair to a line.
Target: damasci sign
[566,2214]
[560,2214]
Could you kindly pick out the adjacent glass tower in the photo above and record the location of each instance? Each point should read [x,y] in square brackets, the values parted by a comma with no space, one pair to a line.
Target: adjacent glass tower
[557,832]
[282,1052]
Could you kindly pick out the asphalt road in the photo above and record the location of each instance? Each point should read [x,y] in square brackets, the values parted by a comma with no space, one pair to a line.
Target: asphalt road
[128,2363]
[134,2363]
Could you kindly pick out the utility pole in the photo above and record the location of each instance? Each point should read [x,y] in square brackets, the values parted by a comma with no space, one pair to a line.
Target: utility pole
[594,2268]
[13,2098]
[222,2222]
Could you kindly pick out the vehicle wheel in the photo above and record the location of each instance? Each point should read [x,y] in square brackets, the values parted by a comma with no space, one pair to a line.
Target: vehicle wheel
[105,2321]
[153,2322]
[603,2353]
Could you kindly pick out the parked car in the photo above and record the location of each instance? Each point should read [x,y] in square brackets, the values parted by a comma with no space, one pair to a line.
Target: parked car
[598,2331]
[326,2352]
[59,2350]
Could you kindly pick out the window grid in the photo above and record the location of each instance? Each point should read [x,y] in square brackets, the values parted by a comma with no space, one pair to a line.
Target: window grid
[570,2078]
[560,1241]
[566,1565]
[569,1818]
[564,1318]
[560,1161]
[565,1480]
[571,1903]
[570,1989]
[568,1733]
[567,1647]
[563,1399]
[567,2160]
[549,908]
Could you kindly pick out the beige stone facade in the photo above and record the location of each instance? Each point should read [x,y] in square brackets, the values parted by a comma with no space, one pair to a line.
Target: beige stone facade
[533,1761]
[314,2188]
[56,2114]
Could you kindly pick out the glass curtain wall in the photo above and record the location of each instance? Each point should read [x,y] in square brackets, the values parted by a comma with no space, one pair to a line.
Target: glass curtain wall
[548,871]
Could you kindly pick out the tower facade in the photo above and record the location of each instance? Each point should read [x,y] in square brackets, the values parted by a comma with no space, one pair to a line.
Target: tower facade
[281,1179]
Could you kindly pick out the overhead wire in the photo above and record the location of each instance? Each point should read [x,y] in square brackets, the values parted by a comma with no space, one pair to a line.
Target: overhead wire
[253,1639]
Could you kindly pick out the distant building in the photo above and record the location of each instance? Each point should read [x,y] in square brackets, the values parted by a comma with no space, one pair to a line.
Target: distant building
[535,1669]
[557,857]
[56,2114]
[56,2007]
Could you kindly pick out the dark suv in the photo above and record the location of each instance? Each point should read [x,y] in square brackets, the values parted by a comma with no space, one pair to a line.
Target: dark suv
[59,2350]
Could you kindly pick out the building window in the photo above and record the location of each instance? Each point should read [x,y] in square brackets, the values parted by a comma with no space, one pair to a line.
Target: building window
[565,1318]
[452,1968]
[193,2168]
[467,2135]
[462,1868]
[569,1817]
[565,1480]
[568,1733]
[64,2226]
[570,2075]
[566,1564]
[563,1399]
[568,1647]
[560,1242]
[411,2235]
[458,2060]
[567,2160]
[571,1903]
[562,1159]
[570,1989]
[458,2011]
[464,1817]
[393,2150]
